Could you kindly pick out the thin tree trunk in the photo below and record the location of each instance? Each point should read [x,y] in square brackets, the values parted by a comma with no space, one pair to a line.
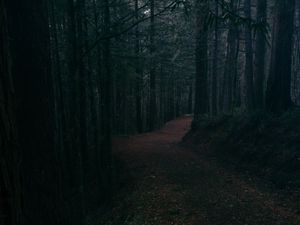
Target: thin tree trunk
[249,59]
[215,63]
[152,110]
[100,110]
[190,100]
[82,74]
[230,71]
[201,95]
[138,99]
[106,157]
[260,55]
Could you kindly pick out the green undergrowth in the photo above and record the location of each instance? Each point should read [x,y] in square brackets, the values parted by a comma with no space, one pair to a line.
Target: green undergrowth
[261,143]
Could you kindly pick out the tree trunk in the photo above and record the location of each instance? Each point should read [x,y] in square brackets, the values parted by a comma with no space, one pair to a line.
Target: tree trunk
[249,58]
[190,100]
[215,63]
[260,55]
[10,191]
[138,83]
[278,96]
[230,71]
[107,98]
[82,75]
[29,32]
[201,95]
[152,110]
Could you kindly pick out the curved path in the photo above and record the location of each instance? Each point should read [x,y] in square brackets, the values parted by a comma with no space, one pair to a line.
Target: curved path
[172,184]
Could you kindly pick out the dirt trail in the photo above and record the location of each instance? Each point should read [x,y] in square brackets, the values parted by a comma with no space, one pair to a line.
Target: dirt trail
[175,185]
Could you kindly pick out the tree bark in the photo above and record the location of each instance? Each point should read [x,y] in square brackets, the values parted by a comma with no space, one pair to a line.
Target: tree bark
[260,56]
[82,75]
[215,63]
[107,98]
[278,96]
[138,83]
[201,95]
[152,108]
[29,32]
[10,191]
[230,71]
[249,59]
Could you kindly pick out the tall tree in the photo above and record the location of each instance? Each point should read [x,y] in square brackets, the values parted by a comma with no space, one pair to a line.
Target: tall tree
[201,95]
[107,99]
[230,70]
[82,84]
[10,189]
[138,83]
[215,62]
[260,55]
[152,108]
[249,58]
[278,96]
[29,32]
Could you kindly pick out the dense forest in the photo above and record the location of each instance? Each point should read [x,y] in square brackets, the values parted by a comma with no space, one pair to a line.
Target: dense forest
[75,74]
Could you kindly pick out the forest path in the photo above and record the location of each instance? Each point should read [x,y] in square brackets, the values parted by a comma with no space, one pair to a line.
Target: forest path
[173,185]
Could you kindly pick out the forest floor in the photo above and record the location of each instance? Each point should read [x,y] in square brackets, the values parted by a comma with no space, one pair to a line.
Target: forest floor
[167,183]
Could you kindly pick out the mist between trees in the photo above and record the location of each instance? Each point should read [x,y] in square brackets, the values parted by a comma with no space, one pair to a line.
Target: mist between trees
[75,73]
